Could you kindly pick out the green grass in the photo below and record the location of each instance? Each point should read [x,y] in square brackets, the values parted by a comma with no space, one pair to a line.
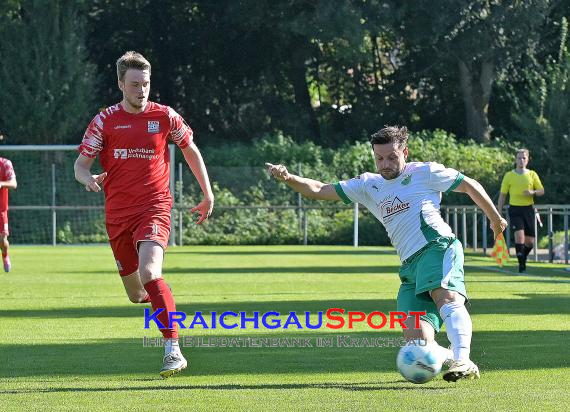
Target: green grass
[70,340]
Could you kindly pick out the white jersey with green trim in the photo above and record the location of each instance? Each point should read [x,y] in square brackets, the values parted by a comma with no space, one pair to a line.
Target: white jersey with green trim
[408,206]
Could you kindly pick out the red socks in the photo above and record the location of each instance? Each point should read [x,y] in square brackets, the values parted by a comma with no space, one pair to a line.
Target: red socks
[161,298]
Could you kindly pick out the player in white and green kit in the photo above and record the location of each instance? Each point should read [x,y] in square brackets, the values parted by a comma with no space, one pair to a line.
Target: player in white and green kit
[405,198]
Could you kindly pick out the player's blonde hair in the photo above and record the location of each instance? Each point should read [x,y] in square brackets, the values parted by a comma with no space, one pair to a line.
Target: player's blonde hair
[131,60]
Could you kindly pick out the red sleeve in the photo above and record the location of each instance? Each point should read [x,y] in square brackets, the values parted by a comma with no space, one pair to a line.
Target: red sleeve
[180,132]
[92,142]
[8,170]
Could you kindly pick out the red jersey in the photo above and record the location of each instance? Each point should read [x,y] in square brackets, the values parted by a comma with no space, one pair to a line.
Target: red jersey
[6,173]
[133,150]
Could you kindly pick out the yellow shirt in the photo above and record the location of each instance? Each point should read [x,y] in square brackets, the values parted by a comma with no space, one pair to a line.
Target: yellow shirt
[515,184]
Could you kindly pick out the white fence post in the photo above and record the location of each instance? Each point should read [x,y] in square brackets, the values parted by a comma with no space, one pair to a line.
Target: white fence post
[535,251]
[484,230]
[455,228]
[550,236]
[464,226]
[474,226]
[305,226]
[53,211]
[566,236]
[355,244]
[300,215]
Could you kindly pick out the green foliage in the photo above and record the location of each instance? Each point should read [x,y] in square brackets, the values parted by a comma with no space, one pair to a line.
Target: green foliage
[353,159]
[239,70]
[485,163]
[47,85]
[542,121]
[241,181]
[557,239]
[453,56]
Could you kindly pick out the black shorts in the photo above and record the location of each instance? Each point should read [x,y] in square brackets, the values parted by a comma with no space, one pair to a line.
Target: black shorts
[522,218]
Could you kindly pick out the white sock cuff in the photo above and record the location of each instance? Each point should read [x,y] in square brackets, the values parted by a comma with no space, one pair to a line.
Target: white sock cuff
[172,345]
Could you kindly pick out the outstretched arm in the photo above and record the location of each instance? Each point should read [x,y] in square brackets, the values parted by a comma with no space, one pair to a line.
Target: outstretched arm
[312,189]
[478,194]
[196,163]
[82,168]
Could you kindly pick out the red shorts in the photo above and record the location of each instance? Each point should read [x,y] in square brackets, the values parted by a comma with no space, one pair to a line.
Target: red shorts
[125,236]
[4,223]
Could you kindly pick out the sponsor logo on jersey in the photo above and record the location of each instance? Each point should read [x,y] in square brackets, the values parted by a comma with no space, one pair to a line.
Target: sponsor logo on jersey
[406,180]
[135,153]
[120,153]
[392,207]
[153,126]
[122,126]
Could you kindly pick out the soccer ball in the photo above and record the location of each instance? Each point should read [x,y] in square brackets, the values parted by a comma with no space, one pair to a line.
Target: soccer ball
[418,361]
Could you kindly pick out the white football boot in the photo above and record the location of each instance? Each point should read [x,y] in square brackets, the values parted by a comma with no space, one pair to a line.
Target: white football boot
[173,363]
[461,369]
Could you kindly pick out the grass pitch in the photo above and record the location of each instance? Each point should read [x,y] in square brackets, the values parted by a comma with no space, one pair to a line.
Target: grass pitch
[71,340]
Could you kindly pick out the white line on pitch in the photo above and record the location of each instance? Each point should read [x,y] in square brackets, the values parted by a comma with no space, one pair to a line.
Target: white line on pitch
[526,275]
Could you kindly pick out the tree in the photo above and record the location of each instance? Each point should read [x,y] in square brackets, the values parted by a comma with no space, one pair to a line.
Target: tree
[472,43]
[47,84]
[542,121]
[240,70]
[321,70]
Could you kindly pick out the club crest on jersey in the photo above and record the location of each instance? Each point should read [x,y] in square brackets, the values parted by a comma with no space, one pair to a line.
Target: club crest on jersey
[120,153]
[153,126]
[406,180]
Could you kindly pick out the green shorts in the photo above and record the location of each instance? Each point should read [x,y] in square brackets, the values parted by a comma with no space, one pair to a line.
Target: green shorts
[439,264]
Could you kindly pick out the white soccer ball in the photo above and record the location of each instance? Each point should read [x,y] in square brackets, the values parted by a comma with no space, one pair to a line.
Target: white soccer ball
[418,361]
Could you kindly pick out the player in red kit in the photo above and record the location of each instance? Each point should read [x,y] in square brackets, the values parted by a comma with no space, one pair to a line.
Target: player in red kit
[131,139]
[7,181]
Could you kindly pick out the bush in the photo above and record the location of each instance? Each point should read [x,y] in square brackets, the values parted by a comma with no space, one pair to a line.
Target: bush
[239,170]
[239,178]
[486,164]
[558,238]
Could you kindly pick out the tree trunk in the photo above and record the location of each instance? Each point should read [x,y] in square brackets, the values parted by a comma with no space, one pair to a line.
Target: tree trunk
[298,77]
[476,83]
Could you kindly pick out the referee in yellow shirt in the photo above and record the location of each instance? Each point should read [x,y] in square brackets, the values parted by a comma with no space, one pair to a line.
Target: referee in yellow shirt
[521,185]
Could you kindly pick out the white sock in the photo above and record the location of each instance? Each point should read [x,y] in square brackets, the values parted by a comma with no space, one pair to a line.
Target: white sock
[459,328]
[172,346]
[443,353]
